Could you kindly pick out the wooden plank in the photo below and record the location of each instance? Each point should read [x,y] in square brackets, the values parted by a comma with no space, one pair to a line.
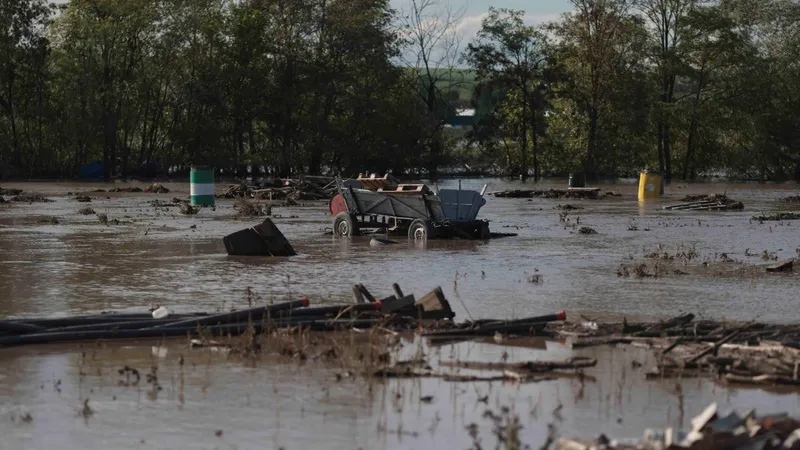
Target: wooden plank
[781,266]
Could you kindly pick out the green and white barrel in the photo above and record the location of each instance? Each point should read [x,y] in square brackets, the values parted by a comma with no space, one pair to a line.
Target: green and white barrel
[201,185]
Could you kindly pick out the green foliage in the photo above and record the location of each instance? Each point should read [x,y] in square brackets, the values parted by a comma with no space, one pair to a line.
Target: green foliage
[692,87]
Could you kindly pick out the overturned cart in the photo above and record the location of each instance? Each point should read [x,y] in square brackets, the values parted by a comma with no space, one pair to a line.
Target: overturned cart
[408,208]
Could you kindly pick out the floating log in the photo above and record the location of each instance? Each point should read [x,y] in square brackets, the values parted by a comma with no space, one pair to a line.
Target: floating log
[528,366]
[531,328]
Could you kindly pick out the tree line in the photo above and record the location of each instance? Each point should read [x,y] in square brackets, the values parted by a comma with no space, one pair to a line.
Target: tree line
[688,87]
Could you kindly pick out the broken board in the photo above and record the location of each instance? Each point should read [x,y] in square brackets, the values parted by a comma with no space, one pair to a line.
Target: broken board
[781,266]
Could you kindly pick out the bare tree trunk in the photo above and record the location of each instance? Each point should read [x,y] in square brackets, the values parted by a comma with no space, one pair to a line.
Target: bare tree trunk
[667,156]
[535,144]
[524,146]
[688,160]
[660,138]
[591,151]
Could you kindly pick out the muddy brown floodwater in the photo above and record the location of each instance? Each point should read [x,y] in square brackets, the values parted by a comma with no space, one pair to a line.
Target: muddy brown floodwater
[210,400]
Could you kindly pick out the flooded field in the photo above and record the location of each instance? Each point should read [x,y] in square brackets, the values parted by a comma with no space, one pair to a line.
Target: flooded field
[156,256]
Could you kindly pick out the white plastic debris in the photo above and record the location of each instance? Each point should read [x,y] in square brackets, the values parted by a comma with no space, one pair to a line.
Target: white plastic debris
[159,352]
[160,313]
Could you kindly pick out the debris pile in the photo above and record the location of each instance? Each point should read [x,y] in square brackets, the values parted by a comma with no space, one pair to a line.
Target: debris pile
[713,202]
[729,352]
[30,198]
[710,430]
[306,188]
[400,313]
[792,199]
[157,188]
[83,199]
[187,209]
[120,189]
[48,221]
[590,194]
[777,217]
[10,192]
[247,208]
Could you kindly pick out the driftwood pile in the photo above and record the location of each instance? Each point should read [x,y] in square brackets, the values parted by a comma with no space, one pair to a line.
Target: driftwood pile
[751,353]
[710,430]
[713,202]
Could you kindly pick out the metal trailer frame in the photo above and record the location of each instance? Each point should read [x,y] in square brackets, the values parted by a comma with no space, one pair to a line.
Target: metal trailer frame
[418,212]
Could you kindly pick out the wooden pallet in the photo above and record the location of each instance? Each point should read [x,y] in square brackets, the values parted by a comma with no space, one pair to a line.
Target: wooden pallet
[373,182]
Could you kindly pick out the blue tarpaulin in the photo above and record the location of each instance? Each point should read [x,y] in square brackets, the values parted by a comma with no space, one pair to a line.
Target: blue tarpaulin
[91,170]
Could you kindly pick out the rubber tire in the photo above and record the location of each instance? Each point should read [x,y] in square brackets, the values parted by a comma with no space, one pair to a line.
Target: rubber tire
[345,225]
[420,226]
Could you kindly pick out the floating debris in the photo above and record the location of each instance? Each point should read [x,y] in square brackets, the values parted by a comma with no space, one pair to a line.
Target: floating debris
[262,240]
[781,266]
[48,221]
[568,207]
[126,189]
[83,199]
[305,188]
[579,193]
[710,430]
[713,202]
[187,209]
[247,208]
[376,242]
[778,216]
[11,192]
[792,199]
[30,198]
[157,188]
[587,230]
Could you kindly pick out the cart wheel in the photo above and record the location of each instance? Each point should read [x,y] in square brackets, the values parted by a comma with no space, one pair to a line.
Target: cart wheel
[345,225]
[420,230]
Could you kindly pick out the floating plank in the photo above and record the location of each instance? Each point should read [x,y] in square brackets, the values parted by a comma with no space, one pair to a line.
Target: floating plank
[781,266]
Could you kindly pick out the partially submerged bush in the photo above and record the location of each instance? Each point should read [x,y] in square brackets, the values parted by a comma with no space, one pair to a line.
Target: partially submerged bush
[246,208]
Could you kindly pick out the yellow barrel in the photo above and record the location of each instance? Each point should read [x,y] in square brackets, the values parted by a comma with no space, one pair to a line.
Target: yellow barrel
[650,185]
